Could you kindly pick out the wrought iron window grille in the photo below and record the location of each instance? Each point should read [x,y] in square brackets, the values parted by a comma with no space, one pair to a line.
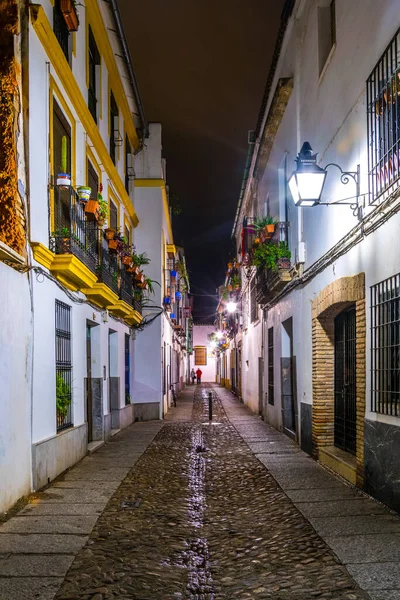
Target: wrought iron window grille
[63,365]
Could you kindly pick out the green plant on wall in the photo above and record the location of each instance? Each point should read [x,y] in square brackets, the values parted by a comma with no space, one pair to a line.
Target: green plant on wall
[261,222]
[236,281]
[140,259]
[266,255]
[63,396]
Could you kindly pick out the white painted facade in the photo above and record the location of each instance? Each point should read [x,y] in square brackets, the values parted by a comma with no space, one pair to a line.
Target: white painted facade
[201,340]
[32,450]
[328,108]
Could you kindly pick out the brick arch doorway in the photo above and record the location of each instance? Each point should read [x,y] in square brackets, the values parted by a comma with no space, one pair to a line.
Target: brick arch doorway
[339,308]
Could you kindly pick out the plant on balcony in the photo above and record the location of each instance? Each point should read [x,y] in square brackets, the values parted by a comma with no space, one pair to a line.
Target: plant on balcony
[236,282]
[64,178]
[140,259]
[109,233]
[70,14]
[63,240]
[149,284]
[103,210]
[272,256]
[265,226]
[92,210]
[63,396]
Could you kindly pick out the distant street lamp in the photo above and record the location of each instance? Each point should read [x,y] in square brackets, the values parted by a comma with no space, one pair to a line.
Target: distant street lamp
[219,335]
[231,307]
[307,181]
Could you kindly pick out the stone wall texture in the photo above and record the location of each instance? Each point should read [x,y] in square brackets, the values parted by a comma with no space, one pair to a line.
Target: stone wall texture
[334,298]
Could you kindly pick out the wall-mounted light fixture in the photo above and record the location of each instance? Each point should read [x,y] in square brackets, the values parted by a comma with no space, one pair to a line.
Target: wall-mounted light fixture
[307,181]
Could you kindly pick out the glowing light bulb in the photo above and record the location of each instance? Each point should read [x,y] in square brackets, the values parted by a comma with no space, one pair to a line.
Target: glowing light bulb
[219,335]
[231,307]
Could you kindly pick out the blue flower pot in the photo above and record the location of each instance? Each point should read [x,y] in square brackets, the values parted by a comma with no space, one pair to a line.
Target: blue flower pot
[178,295]
[167,300]
[173,273]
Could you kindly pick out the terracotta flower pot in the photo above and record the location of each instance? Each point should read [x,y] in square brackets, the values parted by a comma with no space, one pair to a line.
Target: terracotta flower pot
[109,233]
[126,260]
[92,210]
[230,265]
[113,245]
[70,15]
[100,221]
[270,228]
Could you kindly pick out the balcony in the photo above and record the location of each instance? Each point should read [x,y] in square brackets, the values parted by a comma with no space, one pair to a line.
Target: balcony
[269,283]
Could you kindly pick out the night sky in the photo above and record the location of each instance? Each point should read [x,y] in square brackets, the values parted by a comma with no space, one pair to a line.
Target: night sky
[201,67]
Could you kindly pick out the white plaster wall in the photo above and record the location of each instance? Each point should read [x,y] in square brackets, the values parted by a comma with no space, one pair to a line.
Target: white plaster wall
[200,338]
[15,394]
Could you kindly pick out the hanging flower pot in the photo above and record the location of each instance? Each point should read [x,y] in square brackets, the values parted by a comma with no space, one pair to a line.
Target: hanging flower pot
[101,221]
[83,193]
[70,14]
[64,180]
[113,245]
[126,260]
[172,316]
[178,296]
[131,269]
[92,210]
[139,277]
[230,288]
[270,228]
[283,263]
[173,273]
[167,299]
[230,265]
[109,233]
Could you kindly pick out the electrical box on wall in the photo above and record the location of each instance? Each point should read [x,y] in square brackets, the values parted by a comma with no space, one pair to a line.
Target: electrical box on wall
[301,252]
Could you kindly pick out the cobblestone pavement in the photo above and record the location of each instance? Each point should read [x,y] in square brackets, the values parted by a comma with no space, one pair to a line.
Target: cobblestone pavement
[200,518]
[195,511]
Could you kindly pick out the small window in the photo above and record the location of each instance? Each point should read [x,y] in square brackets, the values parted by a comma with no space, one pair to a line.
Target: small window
[94,77]
[326,32]
[61,30]
[63,349]
[200,355]
[114,128]
[271,365]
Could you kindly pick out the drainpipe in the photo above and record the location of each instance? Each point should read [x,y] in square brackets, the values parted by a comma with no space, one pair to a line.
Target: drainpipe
[129,66]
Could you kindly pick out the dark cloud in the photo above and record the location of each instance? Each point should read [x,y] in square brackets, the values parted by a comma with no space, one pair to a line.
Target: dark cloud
[201,67]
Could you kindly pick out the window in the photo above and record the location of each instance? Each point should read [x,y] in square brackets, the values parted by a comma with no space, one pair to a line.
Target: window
[93,179]
[200,355]
[326,32]
[63,366]
[383,114]
[61,30]
[385,347]
[94,66]
[61,162]
[114,127]
[113,216]
[253,301]
[128,163]
[271,365]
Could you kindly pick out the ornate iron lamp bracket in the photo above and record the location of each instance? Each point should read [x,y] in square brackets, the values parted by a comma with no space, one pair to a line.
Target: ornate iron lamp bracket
[353,201]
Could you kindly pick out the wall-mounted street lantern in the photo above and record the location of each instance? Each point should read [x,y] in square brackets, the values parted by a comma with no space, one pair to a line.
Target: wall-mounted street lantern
[307,181]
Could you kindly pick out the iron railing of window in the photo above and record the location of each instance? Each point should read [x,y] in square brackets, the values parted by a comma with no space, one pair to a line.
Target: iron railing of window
[63,366]
[73,234]
[383,119]
[385,346]
[127,370]
[137,305]
[61,30]
[107,269]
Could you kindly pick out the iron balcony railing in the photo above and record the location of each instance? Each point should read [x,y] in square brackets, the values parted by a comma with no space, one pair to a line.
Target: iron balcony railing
[107,269]
[73,234]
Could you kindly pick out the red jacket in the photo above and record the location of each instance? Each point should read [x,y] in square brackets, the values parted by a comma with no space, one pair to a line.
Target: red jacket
[199,373]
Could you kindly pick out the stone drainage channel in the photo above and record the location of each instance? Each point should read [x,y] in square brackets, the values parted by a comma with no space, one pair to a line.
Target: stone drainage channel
[200,518]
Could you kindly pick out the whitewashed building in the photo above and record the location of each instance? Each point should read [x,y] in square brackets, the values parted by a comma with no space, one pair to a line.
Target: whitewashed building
[71,305]
[204,357]
[317,346]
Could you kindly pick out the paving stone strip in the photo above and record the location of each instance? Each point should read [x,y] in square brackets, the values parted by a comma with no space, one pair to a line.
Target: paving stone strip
[227,510]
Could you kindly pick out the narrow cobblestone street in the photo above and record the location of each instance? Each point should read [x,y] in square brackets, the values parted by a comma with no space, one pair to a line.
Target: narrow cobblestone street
[192,511]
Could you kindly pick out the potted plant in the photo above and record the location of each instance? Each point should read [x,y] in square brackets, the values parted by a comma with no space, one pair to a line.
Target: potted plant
[113,245]
[230,265]
[70,14]
[92,210]
[63,241]
[267,256]
[167,300]
[265,226]
[236,282]
[109,233]
[83,193]
[103,211]
[178,295]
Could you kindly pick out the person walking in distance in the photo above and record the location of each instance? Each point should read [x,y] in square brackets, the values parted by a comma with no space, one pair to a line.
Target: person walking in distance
[199,373]
[193,375]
